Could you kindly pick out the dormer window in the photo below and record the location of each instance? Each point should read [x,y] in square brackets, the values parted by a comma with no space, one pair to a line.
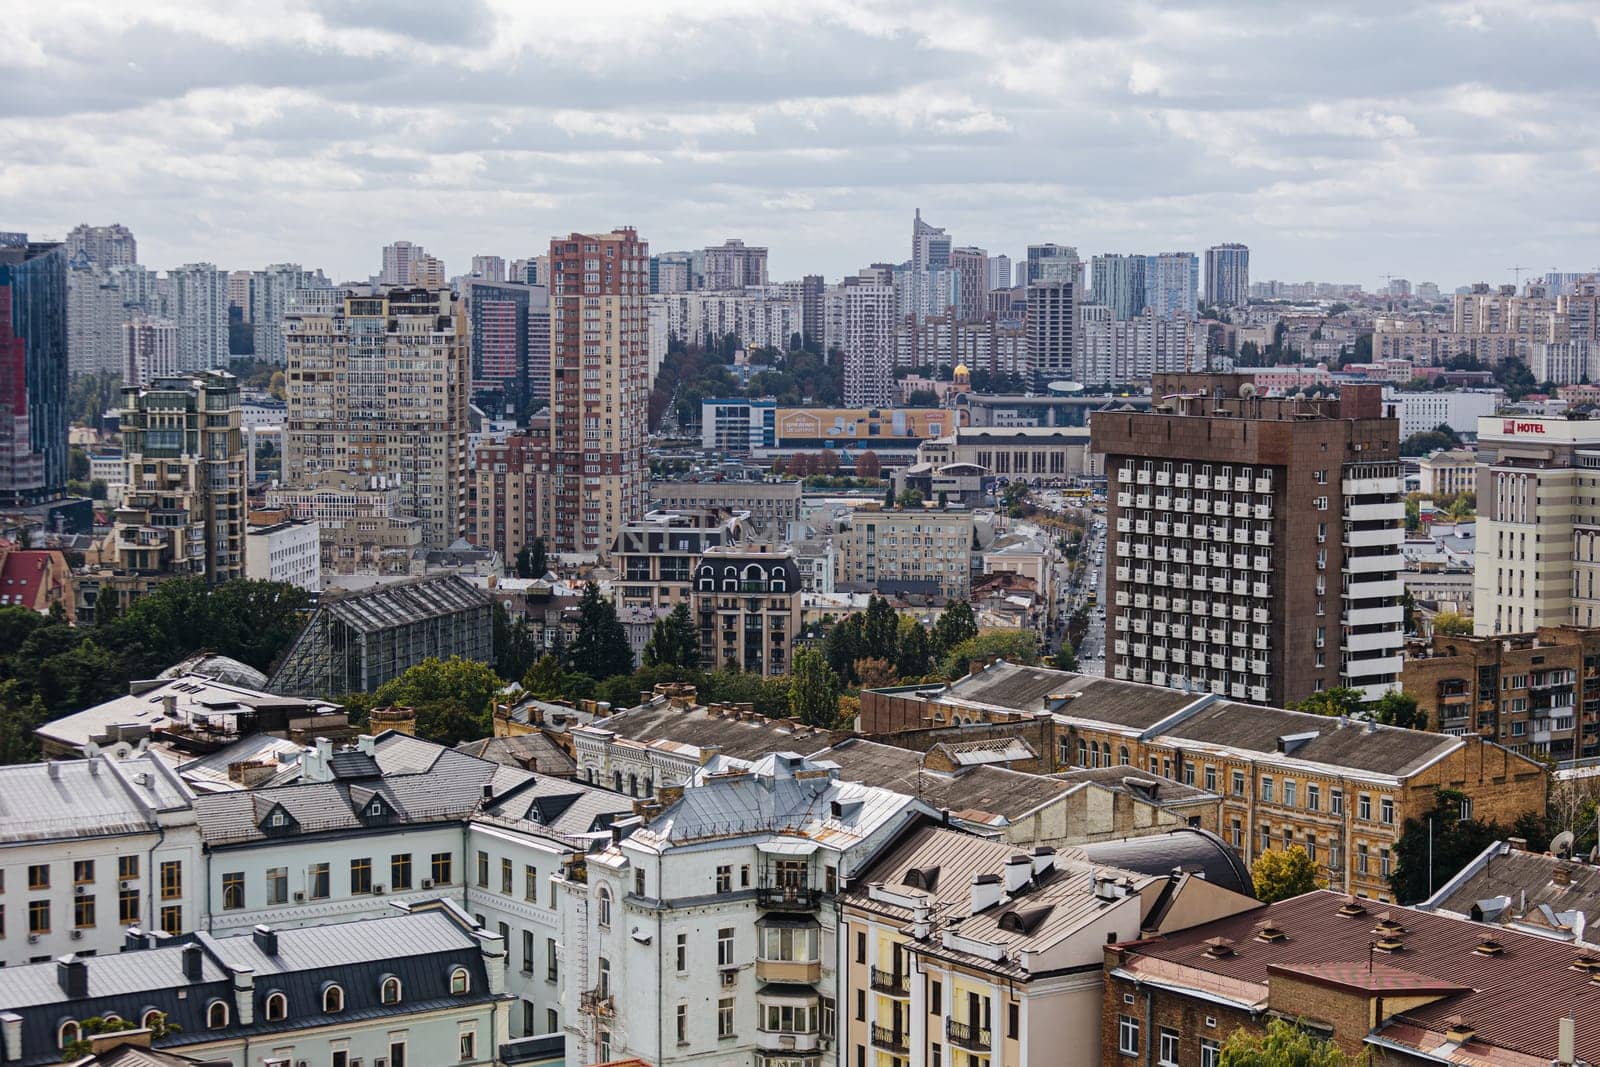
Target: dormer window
[375,808]
[460,982]
[217,1015]
[277,1007]
[389,992]
[276,819]
[332,999]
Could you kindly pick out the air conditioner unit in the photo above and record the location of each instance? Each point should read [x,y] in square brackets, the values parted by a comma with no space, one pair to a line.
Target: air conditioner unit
[427,883]
[33,939]
[377,891]
[299,896]
[77,935]
[79,890]
[124,884]
[729,977]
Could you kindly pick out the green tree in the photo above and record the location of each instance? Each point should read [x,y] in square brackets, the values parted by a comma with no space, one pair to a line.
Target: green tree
[78,464]
[910,498]
[515,646]
[1278,875]
[813,689]
[1283,1045]
[452,697]
[954,625]
[844,645]
[546,680]
[1014,498]
[1065,658]
[674,641]
[20,715]
[1455,842]
[1397,708]
[1340,700]
[1452,624]
[888,496]
[880,630]
[1013,646]
[913,650]
[600,648]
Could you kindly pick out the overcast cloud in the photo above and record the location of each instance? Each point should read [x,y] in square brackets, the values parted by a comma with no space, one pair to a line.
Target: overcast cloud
[1439,141]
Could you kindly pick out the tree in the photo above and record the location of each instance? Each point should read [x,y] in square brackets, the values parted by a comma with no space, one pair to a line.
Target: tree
[515,647]
[954,625]
[1065,658]
[813,689]
[674,641]
[873,673]
[1014,498]
[1397,708]
[452,697]
[868,465]
[1278,875]
[913,650]
[1340,700]
[1452,624]
[1283,1045]
[545,679]
[880,629]
[1013,646]
[922,398]
[910,498]
[1442,836]
[888,496]
[844,645]
[600,649]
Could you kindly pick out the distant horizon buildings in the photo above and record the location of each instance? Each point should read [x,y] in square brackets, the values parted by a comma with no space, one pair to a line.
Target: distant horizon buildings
[33,371]
[1228,275]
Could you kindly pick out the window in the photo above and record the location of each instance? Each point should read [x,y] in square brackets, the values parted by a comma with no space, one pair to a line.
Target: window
[829,1017]
[1167,1048]
[725,947]
[683,1024]
[127,867]
[1211,778]
[400,871]
[861,1005]
[1466,808]
[332,999]
[602,906]
[217,1015]
[1238,783]
[277,885]
[638,881]
[1386,810]
[389,991]
[233,891]
[1127,1035]
[505,876]
[1013,1019]
[38,916]
[1336,801]
[1122,755]
[397,1050]
[483,870]
[128,906]
[39,878]
[82,912]
[172,879]
[172,919]
[725,1017]
[469,1046]
[68,1033]
[1289,789]
[1383,862]
[681,954]
[1266,837]
[319,882]
[277,1007]
[1313,796]
[1266,790]
[460,982]
[725,879]
[442,873]
[551,969]
[361,875]
[935,997]
[82,872]
[340,1058]
[861,947]
[1363,807]
[530,884]
[1361,859]
[1210,1053]
[604,1037]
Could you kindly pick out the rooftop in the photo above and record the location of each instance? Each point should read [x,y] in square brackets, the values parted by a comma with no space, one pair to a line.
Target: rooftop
[736,732]
[403,603]
[532,752]
[1533,892]
[98,796]
[982,795]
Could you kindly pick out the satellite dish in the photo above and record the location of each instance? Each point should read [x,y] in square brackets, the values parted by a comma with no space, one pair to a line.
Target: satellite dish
[1561,844]
[1247,390]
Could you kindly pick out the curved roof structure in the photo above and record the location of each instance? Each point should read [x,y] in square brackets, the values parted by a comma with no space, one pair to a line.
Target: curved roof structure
[1188,847]
[218,669]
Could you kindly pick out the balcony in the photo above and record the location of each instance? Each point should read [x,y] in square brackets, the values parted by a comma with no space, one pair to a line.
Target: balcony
[784,1041]
[1202,481]
[890,1039]
[890,983]
[967,1036]
[788,898]
[594,1002]
[802,972]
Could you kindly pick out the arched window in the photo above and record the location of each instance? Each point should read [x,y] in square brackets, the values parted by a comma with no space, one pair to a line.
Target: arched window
[633,785]
[649,787]
[1083,752]
[1122,755]
[151,1018]
[616,780]
[1105,753]
[217,1015]
[332,999]
[1094,755]
[602,905]
[277,1008]
[69,1032]
[460,982]
[111,1017]
[389,992]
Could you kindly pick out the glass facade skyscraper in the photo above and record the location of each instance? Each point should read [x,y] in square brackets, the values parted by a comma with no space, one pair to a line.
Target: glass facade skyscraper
[33,371]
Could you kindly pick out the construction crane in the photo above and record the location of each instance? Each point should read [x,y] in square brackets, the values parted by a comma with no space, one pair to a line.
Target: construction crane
[1516,273]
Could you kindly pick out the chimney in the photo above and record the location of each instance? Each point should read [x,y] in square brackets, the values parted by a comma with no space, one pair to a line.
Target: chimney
[985,892]
[72,975]
[53,770]
[169,705]
[244,996]
[1562,876]
[1044,859]
[1566,1042]
[1517,844]
[493,947]
[192,957]
[1019,869]
[266,939]
[316,763]
[11,1031]
[921,922]
[365,743]
[488,792]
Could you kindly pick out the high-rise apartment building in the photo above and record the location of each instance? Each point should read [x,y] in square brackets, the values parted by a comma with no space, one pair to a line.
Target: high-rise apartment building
[103,246]
[98,303]
[999,272]
[1118,282]
[1228,275]
[33,371]
[509,321]
[183,504]
[809,293]
[734,265]
[272,294]
[1172,285]
[1127,351]
[378,385]
[427,272]
[1538,554]
[489,268]
[398,260]
[930,245]
[506,478]
[760,318]
[672,272]
[599,388]
[860,315]
[1254,541]
[1052,327]
[149,350]
[971,268]
[197,300]
[746,600]
[1050,263]
[239,286]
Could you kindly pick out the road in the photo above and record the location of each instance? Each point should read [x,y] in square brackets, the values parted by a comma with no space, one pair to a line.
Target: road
[1092,649]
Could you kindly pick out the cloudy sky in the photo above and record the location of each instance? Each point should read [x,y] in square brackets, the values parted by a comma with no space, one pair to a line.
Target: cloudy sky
[1440,141]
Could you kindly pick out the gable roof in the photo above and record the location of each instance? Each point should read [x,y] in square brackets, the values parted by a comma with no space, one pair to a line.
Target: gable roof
[750,737]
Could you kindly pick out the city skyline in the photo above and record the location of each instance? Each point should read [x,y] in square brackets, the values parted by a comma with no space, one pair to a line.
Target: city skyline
[1334,147]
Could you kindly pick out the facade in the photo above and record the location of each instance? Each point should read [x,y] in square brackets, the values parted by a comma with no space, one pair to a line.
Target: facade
[510,323]
[971,268]
[765,508]
[1044,454]
[103,246]
[378,386]
[149,350]
[1254,543]
[734,265]
[1458,409]
[197,300]
[599,388]
[278,548]
[489,268]
[362,522]
[507,475]
[1172,285]
[1538,524]
[33,371]
[759,318]
[707,936]
[89,847]
[357,641]
[1228,275]
[1052,327]
[1340,788]
[36,579]
[1123,351]
[909,550]
[1568,362]
[183,499]
[761,428]
[1118,282]
[1447,472]
[272,296]
[1535,693]
[859,318]
[1049,263]
[654,557]
[1393,987]
[746,601]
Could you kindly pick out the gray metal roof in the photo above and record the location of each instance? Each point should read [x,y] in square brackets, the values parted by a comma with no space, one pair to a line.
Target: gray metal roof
[195,697]
[748,738]
[86,798]
[1188,848]
[983,789]
[402,603]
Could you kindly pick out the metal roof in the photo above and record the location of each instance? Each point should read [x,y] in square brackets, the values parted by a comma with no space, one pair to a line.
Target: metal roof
[403,603]
[86,798]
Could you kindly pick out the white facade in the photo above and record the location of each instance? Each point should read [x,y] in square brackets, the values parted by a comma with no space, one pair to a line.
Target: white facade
[760,318]
[1228,275]
[1566,362]
[270,291]
[285,552]
[1121,351]
[1460,410]
[859,319]
[149,350]
[197,300]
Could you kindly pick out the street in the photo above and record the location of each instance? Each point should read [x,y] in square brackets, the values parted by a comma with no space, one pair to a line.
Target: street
[1090,591]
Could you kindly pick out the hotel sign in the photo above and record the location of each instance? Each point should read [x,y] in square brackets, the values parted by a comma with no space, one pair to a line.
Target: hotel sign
[1511,427]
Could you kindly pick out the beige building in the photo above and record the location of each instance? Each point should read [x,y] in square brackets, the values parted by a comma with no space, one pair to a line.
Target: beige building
[1449,471]
[747,604]
[1037,453]
[506,476]
[361,522]
[183,505]
[599,389]
[654,557]
[1538,553]
[769,506]
[910,550]
[378,386]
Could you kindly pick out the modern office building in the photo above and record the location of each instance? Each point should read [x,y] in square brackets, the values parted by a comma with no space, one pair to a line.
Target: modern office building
[734,265]
[378,386]
[1000,272]
[149,350]
[197,300]
[1254,542]
[1052,326]
[1118,282]
[1228,275]
[600,385]
[746,601]
[909,551]
[1538,524]
[1049,263]
[33,371]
